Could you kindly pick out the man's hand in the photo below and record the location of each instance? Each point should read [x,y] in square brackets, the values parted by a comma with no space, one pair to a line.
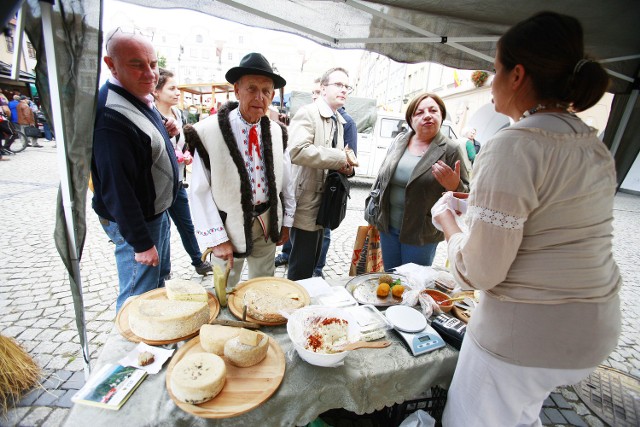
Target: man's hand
[346,170]
[284,236]
[224,251]
[172,127]
[148,257]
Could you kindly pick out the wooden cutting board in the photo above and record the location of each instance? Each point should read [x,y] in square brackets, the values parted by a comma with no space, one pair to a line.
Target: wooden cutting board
[236,298]
[244,388]
[122,318]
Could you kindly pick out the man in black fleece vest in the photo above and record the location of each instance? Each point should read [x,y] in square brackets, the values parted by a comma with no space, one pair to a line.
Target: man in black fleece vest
[134,170]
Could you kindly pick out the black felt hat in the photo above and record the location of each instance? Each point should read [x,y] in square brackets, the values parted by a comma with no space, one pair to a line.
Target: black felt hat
[254,63]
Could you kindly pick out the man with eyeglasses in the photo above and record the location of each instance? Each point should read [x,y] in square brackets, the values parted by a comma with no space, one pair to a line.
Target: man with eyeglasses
[317,145]
[134,169]
[241,194]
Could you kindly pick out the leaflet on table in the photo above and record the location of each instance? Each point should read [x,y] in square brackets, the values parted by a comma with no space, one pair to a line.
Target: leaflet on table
[315,286]
[322,293]
[110,387]
[160,355]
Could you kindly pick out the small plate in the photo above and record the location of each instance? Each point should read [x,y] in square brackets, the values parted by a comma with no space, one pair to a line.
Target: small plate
[406,319]
[363,288]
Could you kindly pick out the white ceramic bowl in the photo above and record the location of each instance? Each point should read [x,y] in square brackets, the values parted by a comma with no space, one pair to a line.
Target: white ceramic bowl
[296,327]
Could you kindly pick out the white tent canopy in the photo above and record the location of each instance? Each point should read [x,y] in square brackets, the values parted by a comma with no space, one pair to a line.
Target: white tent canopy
[460,34]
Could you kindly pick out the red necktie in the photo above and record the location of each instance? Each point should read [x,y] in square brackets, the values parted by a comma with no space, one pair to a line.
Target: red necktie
[253,142]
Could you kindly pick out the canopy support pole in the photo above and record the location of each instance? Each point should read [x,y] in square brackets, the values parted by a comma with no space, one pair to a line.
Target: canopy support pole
[18,37]
[65,178]
[622,125]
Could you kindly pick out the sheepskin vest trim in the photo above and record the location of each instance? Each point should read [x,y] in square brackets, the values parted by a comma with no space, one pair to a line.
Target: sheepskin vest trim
[215,143]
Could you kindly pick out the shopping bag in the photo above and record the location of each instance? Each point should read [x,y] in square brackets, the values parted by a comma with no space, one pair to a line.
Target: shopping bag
[367,255]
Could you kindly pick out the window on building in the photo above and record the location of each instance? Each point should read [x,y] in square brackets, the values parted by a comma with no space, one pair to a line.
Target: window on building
[194,52]
[9,38]
[230,56]
[205,53]
[31,51]
[199,38]
[240,39]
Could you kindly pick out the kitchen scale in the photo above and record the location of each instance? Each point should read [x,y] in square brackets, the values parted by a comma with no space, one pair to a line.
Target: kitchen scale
[414,330]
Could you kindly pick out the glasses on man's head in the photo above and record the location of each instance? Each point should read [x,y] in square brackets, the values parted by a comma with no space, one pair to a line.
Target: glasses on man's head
[124,31]
[341,86]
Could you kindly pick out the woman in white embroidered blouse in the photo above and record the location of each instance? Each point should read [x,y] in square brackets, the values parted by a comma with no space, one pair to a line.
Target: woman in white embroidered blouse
[539,240]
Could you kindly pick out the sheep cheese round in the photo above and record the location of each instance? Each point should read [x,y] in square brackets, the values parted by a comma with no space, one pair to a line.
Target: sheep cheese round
[198,377]
[161,320]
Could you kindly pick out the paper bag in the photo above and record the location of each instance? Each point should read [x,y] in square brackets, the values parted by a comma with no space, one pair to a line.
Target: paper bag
[367,255]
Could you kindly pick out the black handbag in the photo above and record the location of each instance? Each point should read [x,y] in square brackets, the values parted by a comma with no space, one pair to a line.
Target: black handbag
[32,131]
[333,207]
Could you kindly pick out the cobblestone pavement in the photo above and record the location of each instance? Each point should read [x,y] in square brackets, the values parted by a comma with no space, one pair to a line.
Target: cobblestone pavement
[36,305]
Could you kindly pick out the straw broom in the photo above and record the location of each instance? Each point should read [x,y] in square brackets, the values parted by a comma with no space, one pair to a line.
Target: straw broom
[18,372]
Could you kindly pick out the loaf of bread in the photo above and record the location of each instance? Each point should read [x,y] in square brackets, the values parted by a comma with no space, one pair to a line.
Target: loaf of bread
[185,290]
[245,355]
[162,320]
[198,377]
[265,304]
[213,337]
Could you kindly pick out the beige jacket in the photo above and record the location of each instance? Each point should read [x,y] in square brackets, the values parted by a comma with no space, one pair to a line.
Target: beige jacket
[539,246]
[310,137]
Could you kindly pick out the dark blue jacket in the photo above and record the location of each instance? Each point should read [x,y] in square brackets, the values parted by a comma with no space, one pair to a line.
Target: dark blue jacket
[133,168]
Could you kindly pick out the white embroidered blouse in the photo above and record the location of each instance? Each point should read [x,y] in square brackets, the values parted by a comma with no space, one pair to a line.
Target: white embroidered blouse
[539,244]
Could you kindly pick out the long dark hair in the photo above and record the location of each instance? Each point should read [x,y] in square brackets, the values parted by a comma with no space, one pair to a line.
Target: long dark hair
[164,76]
[550,48]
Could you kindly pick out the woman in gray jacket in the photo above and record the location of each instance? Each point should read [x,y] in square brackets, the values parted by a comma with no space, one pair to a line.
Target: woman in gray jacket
[421,164]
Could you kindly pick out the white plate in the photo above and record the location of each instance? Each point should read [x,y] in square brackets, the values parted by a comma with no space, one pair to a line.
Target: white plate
[406,319]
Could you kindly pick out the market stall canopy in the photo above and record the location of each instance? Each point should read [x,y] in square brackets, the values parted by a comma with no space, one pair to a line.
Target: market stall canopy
[207,88]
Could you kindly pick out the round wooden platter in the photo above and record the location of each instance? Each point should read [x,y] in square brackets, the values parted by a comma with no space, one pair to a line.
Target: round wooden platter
[122,318]
[460,313]
[244,388]
[236,298]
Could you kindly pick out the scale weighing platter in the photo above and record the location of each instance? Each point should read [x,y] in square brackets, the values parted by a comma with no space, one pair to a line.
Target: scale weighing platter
[412,326]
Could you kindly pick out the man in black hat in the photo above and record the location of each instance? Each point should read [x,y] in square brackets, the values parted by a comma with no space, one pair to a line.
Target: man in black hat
[241,194]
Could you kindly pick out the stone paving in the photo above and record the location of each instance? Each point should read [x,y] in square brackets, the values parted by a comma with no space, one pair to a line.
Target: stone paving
[36,305]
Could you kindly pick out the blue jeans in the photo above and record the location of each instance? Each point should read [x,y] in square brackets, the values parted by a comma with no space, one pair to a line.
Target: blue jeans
[323,253]
[135,278]
[47,131]
[395,254]
[181,217]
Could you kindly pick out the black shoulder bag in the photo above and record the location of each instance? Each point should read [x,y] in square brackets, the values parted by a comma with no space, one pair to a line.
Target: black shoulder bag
[334,200]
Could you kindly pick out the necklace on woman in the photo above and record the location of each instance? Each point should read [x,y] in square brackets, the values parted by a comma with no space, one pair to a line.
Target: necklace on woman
[533,110]
[541,107]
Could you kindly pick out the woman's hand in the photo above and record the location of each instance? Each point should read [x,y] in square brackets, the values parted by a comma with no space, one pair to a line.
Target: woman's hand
[447,177]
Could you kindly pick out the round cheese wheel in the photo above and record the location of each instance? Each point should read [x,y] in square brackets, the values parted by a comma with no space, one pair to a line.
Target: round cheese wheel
[243,355]
[213,337]
[166,320]
[198,377]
